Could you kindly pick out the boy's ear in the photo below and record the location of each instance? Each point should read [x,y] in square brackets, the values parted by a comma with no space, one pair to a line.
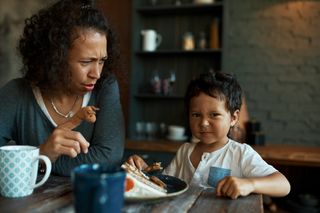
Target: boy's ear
[235,117]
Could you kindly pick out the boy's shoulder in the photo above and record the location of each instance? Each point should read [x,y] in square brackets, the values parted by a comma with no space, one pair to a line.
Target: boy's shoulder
[236,146]
[186,146]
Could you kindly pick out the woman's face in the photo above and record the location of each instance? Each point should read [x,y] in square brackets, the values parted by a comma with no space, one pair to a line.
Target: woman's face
[86,59]
[209,119]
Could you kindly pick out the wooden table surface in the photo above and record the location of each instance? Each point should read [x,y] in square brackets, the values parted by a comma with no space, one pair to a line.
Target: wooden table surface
[274,154]
[56,196]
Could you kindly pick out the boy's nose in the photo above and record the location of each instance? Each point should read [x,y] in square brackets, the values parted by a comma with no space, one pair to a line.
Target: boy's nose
[204,123]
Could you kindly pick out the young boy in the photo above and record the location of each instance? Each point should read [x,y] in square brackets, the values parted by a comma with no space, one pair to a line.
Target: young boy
[213,102]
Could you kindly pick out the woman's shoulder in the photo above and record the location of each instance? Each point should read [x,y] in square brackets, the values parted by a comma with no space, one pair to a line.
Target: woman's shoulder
[15,86]
[106,85]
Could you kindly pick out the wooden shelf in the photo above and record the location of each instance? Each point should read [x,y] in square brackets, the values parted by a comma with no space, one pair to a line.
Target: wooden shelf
[172,22]
[274,154]
[157,145]
[290,155]
[179,52]
[155,96]
[178,10]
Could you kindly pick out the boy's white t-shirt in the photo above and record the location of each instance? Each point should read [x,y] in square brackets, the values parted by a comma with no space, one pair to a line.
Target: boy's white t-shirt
[242,159]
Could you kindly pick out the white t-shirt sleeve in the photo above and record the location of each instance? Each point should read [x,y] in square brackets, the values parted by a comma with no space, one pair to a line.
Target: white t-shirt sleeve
[253,165]
[180,165]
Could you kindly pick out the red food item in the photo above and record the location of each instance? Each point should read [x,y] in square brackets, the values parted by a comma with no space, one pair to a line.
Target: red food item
[129,184]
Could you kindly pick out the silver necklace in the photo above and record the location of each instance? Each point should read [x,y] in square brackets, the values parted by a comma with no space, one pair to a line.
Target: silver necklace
[69,114]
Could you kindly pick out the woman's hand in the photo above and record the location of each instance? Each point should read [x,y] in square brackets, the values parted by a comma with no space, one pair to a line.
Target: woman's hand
[137,162]
[63,141]
[234,187]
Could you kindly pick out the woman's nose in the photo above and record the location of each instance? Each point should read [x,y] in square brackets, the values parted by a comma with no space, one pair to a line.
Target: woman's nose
[95,71]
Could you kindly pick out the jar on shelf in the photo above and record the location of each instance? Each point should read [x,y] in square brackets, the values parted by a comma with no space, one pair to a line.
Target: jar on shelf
[188,41]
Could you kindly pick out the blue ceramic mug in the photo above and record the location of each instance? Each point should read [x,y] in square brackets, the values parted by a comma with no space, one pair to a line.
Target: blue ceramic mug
[97,188]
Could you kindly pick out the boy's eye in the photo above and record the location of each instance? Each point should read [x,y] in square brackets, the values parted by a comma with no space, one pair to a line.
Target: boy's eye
[195,115]
[213,114]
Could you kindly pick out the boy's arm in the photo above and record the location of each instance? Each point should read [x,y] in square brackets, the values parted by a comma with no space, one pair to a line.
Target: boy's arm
[275,185]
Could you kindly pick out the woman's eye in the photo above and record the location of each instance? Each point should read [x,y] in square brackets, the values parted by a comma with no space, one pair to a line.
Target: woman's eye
[101,62]
[84,63]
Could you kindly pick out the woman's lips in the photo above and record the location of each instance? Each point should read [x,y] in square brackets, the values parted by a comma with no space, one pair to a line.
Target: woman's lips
[89,87]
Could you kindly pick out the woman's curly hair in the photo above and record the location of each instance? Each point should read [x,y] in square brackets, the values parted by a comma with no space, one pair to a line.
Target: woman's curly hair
[48,36]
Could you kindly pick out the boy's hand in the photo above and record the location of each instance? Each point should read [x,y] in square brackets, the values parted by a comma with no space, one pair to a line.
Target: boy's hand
[234,187]
[137,162]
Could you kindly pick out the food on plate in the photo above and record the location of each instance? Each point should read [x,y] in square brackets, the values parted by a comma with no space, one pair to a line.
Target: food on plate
[153,167]
[87,113]
[137,183]
[158,182]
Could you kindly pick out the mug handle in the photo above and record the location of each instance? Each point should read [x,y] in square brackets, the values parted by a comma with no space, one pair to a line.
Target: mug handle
[159,40]
[48,170]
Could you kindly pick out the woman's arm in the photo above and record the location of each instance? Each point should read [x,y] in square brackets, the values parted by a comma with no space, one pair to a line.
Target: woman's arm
[106,136]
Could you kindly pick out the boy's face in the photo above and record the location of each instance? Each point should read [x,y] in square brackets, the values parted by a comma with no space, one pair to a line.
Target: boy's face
[209,119]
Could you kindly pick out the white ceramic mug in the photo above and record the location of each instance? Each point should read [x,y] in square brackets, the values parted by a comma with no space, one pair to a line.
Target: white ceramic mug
[150,40]
[176,132]
[19,170]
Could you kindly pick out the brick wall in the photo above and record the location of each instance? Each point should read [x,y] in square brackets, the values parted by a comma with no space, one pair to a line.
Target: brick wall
[273,46]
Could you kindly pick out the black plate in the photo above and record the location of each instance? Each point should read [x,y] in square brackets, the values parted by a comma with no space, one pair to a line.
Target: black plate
[175,186]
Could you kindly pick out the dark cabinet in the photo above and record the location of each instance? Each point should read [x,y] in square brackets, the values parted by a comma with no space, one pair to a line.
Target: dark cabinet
[170,62]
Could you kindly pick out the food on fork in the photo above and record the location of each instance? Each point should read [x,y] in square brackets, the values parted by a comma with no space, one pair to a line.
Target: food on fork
[137,183]
[87,113]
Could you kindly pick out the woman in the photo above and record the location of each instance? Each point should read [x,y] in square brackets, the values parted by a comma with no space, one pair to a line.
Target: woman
[69,59]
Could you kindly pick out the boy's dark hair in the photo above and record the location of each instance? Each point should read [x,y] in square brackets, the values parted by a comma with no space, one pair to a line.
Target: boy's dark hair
[219,85]
[48,36]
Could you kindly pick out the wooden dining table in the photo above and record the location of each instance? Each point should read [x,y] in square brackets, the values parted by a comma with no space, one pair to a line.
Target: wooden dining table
[56,196]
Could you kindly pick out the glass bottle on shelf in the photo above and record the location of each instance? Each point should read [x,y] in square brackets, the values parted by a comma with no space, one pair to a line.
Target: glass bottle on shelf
[156,83]
[168,83]
[214,34]
[202,41]
[172,81]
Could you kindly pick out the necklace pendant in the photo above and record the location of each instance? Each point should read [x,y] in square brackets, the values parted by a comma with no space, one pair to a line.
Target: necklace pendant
[69,115]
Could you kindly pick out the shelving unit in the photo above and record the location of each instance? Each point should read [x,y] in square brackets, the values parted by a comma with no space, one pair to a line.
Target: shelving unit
[171,22]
